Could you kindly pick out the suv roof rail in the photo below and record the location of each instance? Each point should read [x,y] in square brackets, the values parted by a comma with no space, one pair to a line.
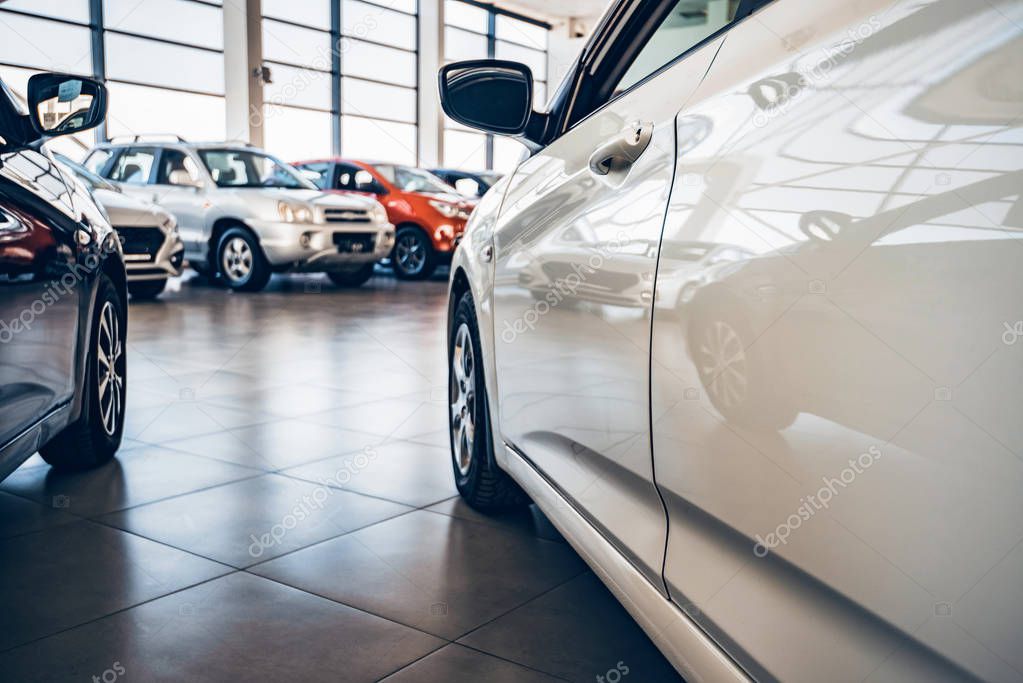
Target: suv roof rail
[148,137]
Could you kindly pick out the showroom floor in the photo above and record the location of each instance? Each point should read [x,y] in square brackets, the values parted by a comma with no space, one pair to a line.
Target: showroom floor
[283,509]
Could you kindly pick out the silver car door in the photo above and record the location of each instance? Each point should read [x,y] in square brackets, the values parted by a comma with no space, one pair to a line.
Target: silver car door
[181,188]
[836,367]
[575,252]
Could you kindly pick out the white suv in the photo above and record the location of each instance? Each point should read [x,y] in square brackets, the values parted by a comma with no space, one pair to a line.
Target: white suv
[244,214]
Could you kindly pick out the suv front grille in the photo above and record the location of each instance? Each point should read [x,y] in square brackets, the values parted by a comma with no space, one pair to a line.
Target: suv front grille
[346,216]
[354,242]
[140,244]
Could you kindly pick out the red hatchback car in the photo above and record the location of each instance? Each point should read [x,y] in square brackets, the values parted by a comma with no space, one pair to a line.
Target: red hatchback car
[429,217]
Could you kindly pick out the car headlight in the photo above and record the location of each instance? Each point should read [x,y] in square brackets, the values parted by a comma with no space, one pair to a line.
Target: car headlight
[379,213]
[445,209]
[294,213]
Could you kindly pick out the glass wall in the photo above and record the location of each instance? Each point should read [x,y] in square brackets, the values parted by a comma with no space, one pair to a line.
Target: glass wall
[46,35]
[165,68]
[362,95]
[478,31]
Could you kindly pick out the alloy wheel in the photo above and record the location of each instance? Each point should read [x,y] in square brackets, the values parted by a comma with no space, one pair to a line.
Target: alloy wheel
[462,393]
[722,364]
[236,261]
[410,253]
[110,377]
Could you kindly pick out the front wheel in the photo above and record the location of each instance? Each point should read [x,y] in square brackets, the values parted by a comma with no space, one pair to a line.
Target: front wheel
[351,278]
[241,262]
[479,480]
[95,436]
[147,289]
[413,257]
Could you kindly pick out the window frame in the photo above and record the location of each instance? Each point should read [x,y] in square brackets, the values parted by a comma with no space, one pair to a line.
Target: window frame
[615,46]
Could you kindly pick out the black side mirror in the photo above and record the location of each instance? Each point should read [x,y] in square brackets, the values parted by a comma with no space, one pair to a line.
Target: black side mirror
[61,104]
[490,94]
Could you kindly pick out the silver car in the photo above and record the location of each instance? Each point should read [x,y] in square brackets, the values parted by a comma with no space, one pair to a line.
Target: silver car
[244,214]
[747,326]
[153,251]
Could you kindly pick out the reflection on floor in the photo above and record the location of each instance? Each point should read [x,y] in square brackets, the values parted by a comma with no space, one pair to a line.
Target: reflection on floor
[283,509]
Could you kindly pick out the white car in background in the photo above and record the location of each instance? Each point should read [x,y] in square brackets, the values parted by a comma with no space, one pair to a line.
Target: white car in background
[153,251]
[244,214]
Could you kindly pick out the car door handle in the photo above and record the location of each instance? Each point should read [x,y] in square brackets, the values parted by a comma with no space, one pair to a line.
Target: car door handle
[621,152]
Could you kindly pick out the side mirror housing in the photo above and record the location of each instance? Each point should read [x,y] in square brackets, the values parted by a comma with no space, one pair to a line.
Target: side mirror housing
[62,104]
[493,95]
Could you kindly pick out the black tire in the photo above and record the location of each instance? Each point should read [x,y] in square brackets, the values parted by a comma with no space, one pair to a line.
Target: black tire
[484,485]
[87,443]
[147,289]
[759,400]
[422,261]
[258,268]
[351,278]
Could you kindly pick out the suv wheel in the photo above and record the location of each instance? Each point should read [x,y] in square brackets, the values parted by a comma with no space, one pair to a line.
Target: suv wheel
[95,436]
[479,480]
[147,289]
[412,257]
[351,277]
[240,261]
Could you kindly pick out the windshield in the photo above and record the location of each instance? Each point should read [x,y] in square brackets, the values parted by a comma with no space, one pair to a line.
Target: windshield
[408,179]
[247,168]
[85,175]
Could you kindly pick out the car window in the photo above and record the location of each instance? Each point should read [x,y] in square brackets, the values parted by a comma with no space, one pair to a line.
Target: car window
[97,160]
[409,179]
[134,166]
[351,177]
[247,168]
[687,24]
[174,160]
[318,173]
[469,187]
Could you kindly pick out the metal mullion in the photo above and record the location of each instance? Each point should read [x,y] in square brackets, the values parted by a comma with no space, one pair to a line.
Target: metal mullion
[418,46]
[367,117]
[298,24]
[379,82]
[172,88]
[357,39]
[336,92]
[508,13]
[292,65]
[99,54]
[59,20]
[165,41]
[491,54]
[391,9]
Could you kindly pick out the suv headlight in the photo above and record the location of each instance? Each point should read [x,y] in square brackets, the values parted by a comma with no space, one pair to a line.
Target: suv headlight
[379,214]
[445,209]
[294,213]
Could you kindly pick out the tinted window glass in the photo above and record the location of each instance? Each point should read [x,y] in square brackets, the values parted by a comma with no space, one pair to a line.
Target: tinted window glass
[97,160]
[318,173]
[350,177]
[688,23]
[175,160]
[134,166]
[242,168]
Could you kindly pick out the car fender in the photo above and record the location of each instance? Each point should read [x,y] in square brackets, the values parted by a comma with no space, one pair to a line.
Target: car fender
[472,267]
